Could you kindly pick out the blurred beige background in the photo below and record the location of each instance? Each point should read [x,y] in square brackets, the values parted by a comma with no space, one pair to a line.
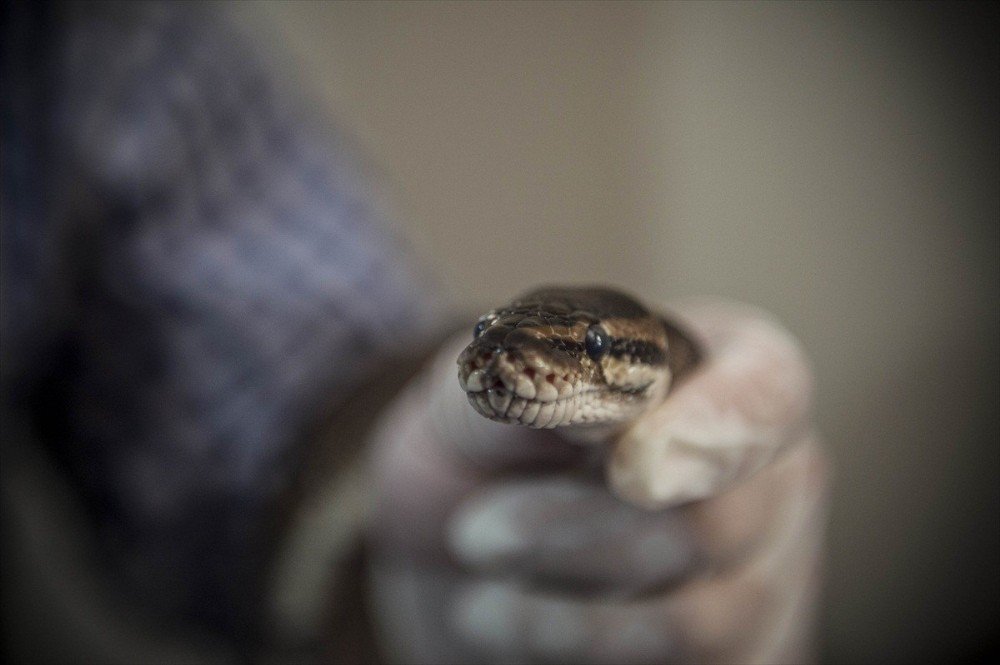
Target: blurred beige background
[834,163]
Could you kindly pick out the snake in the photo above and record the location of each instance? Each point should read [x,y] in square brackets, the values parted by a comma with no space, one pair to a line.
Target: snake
[583,358]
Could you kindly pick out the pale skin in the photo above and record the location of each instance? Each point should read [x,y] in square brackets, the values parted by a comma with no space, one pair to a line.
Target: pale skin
[693,536]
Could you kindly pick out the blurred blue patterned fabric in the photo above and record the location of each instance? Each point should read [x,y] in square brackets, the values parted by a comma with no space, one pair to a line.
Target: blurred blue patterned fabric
[193,266]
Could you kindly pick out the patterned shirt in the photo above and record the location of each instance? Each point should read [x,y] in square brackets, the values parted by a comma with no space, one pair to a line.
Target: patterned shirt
[192,266]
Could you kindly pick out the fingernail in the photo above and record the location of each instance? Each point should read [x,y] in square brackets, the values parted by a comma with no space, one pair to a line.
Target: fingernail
[486,534]
[653,474]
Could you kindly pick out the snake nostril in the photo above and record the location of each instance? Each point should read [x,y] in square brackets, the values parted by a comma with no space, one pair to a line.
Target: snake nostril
[551,378]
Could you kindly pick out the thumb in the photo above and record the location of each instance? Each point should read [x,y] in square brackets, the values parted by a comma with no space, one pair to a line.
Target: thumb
[750,399]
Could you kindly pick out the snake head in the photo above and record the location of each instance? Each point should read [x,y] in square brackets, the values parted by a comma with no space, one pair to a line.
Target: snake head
[556,357]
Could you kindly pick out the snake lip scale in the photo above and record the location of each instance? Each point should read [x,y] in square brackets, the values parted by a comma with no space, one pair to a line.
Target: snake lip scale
[575,357]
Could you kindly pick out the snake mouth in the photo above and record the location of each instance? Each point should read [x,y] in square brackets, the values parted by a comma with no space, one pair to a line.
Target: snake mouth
[505,406]
[541,396]
[593,405]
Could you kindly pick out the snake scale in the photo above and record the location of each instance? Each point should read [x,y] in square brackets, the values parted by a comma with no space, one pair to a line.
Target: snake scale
[589,359]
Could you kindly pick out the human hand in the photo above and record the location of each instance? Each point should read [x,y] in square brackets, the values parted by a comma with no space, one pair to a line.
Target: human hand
[493,543]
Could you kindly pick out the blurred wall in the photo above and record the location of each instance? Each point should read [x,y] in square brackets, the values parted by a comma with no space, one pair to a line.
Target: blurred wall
[834,163]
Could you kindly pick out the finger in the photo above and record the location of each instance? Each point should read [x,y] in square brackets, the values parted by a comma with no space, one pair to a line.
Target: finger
[510,623]
[731,527]
[758,611]
[411,606]
[763,610]
[749,399]
[571,534]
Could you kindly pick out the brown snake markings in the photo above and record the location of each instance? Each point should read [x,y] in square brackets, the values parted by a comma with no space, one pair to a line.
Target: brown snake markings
[572,356]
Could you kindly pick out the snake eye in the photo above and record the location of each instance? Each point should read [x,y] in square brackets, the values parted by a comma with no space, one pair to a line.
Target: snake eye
[597,342]
[481,325]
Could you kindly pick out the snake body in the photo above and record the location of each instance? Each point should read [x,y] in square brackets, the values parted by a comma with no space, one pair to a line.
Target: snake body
[582,357]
